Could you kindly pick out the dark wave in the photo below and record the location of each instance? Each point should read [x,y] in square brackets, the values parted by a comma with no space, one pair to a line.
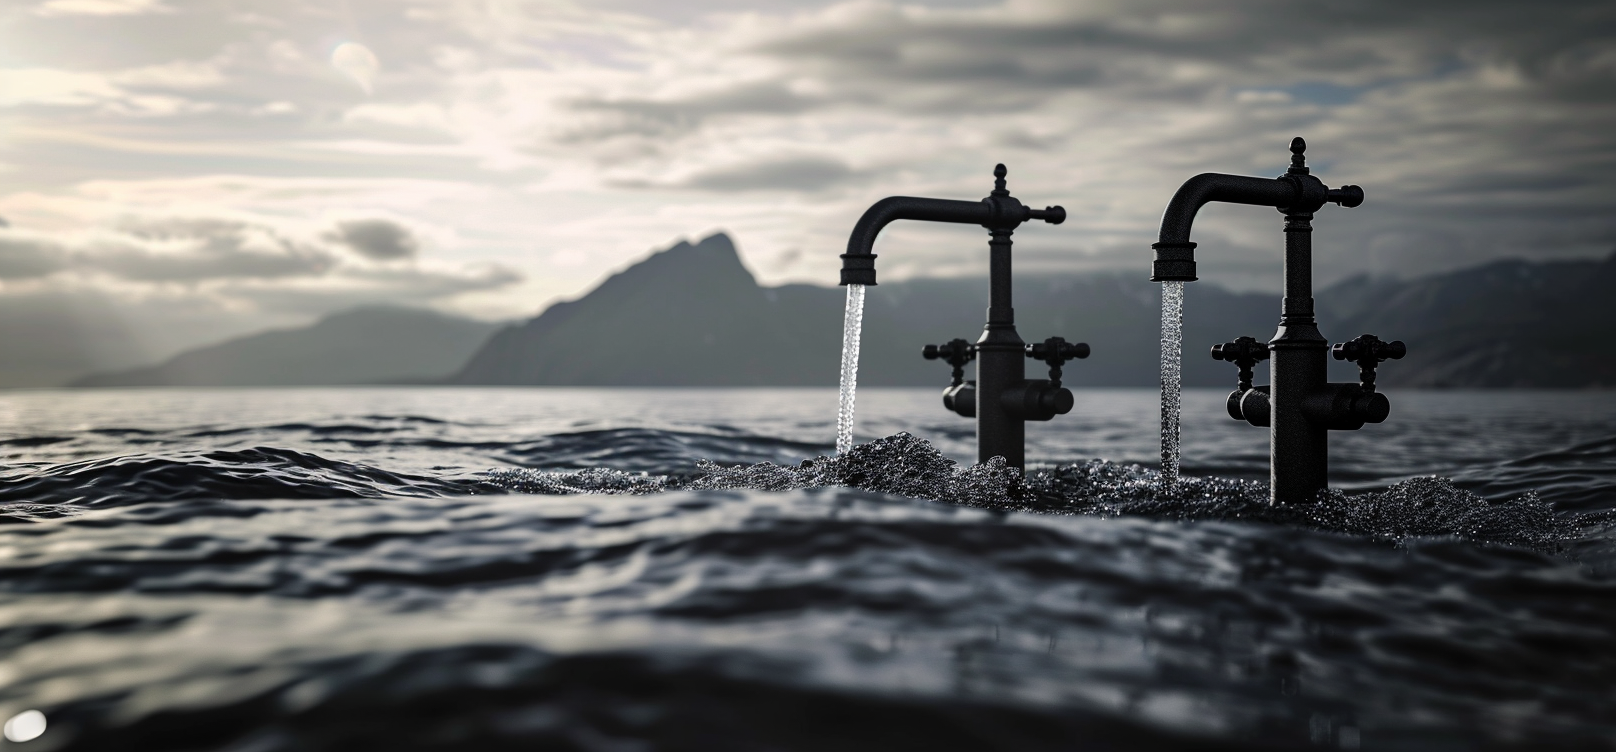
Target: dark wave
[442,699]
[523,620]
[1580,477]
[368,582]
[256,473]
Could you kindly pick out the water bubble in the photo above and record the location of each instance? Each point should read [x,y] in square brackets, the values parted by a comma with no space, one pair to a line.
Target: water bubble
[357,62]
[25,726]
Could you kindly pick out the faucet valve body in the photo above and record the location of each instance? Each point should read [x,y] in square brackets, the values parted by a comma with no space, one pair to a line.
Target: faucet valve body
[1055,351]
[1368,351]
[956,353]
[960,396]
[1248,403]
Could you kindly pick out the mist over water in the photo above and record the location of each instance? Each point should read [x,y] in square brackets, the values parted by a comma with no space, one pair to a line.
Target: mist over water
[681,569]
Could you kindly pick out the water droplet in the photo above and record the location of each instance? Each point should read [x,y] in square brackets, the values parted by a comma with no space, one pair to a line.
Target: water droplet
[25,726]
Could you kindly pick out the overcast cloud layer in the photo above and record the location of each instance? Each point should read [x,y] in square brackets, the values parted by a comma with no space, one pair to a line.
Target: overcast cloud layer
[262,161]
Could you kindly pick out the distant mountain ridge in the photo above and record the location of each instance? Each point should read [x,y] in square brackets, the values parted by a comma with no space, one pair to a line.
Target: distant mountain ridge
[689,315]
[1508,323]
[692,315]
[369,345]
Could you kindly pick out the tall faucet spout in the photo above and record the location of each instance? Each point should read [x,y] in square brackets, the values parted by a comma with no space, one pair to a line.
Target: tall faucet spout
[858,264]
[1175,253]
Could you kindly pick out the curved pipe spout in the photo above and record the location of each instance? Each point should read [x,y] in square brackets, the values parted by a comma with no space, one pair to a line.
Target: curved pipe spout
[1229,189]
[1297,192]
[858,264]
[1175,254]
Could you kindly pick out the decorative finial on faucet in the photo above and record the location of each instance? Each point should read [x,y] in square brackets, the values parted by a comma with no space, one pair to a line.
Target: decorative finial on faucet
[998,181]
[1298,161]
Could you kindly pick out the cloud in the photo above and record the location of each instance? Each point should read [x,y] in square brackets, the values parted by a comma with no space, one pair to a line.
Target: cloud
[376,239]
[190,250]
[177,74]
[213,262]
[100,7]
[682,113]
[251,261]
[45,86]
[525,131]
[29,258]
[355,287]
[771,174]
[357,62]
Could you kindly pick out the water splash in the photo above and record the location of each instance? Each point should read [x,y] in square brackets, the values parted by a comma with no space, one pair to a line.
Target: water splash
[906,465]
[1172,357]
[852,328]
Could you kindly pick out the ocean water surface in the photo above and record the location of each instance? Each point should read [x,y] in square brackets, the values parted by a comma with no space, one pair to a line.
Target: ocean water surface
[334,569]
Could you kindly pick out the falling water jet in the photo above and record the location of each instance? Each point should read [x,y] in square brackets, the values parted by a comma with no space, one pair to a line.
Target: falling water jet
[852,328]
[1172,346]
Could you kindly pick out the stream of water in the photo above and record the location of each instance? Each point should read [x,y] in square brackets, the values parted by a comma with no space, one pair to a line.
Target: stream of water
[852,330]
[1172,360]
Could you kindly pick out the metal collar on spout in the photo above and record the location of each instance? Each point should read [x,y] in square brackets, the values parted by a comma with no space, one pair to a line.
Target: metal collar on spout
[1295,192]
[998,211]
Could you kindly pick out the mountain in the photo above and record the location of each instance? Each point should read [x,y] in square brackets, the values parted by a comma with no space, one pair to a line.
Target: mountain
[1505,324]
[692,315]
[48,339]
[369,345]
[689,315]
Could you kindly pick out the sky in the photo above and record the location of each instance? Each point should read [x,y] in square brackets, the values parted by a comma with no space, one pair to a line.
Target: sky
[199,169]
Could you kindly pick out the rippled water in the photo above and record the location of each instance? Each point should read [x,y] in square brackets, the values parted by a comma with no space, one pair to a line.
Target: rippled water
[556,569]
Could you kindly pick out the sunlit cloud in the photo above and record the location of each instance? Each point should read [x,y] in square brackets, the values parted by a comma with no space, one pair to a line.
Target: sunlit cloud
[100,7]
[555,141]
[357,62]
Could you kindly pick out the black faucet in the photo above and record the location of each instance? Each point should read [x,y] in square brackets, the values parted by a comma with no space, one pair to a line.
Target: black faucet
[1001,398]
[1299,405]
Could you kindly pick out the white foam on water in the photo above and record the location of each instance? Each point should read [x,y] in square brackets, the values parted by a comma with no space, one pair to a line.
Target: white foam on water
[906,465]
[1172,358]
[852,329]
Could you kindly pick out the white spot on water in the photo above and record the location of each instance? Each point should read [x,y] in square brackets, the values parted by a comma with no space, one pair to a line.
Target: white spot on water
[25,726]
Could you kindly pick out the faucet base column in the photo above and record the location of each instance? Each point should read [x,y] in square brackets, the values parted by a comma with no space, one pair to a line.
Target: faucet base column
[1000,365]
[1298,452]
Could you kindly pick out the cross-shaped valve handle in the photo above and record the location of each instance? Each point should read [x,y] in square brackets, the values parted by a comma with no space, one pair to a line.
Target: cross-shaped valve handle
[956,353]
[1368,351]
[1055,351]
[1244,352]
